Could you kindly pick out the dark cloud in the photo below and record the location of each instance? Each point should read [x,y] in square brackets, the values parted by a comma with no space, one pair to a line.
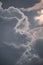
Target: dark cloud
[39,47]
[8,34]
[38,50]
[8,54]
[6,26]
[35,61]
[19,3]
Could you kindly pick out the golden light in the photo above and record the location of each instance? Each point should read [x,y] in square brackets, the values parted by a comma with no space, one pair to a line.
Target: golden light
[40,17]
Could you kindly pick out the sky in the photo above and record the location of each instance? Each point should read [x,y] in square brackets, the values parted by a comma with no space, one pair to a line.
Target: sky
[21,32]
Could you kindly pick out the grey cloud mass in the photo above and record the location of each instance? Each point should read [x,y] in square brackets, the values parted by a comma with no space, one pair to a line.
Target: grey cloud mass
[21,35]
[19,3]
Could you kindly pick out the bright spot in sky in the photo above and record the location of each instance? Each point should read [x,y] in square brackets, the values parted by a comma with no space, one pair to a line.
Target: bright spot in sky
[40,17]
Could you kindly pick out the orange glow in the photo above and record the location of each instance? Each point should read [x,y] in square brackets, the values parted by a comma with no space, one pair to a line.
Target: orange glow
[40,17]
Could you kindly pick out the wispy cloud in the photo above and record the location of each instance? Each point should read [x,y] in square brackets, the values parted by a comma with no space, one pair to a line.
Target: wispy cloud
[35,7]
[23,23]
[28,55]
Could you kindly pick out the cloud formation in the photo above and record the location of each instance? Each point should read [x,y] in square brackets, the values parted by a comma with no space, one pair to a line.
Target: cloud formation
[30,53]
[14,13]
[40,17]
[19,3]
[35,7]
[21,28]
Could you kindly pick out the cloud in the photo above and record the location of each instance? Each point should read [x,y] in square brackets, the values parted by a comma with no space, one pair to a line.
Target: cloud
[0,4]
[14,13]
[23,26]
[9,55]
[15,28]
[15,45]
[30,53]
[19,3]
[11,13]
[35,7]
[39,18]
[14,32]
[38,46]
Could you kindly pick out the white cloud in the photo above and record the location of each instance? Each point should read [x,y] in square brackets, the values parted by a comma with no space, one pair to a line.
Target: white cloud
[39,18]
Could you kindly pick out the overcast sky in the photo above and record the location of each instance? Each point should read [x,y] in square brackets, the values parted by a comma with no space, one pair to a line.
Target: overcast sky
[21,32]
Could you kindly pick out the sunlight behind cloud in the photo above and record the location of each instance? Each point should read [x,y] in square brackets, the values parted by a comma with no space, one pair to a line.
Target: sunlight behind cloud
[39,18]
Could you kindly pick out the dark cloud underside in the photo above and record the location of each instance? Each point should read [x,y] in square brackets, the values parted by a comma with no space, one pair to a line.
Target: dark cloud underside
[9,55]
[19,3]
[38,47]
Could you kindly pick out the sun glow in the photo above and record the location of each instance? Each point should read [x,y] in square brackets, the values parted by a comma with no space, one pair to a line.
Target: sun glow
[40,17]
